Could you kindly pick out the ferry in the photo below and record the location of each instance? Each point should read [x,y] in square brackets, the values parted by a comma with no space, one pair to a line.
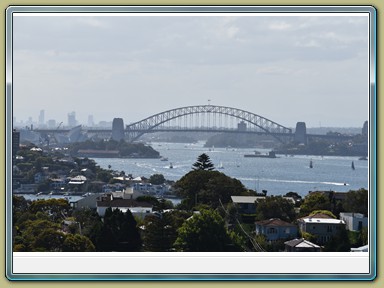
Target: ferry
[270,154]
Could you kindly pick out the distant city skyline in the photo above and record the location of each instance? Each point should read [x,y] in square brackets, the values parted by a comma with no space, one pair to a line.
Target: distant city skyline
[286,68]
[54,123]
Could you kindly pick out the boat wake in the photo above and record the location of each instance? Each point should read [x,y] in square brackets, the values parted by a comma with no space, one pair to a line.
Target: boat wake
[295,181]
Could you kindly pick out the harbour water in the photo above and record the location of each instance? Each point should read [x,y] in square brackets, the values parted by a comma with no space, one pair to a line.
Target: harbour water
[276,175]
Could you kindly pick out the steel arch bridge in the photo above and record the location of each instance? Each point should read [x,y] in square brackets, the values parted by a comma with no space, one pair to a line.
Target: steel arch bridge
[206,118]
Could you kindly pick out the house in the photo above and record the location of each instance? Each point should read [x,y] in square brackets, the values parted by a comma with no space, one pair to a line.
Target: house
[323,228]
[246,204]
[301,245]
[88,200]
[113,187]
[39,177]
[360,249]
[58,184]
[77,180]
[354,221]
[139,209]
[276,229]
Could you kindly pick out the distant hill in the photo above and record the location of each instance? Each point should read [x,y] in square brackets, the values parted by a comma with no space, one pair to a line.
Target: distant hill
[342,130]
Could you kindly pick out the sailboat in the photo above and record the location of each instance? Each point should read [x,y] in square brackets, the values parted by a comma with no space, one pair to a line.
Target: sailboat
[220,166]
[310,164]
[353,165]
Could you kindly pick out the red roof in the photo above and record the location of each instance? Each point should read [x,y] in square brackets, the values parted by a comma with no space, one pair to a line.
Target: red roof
[273,222]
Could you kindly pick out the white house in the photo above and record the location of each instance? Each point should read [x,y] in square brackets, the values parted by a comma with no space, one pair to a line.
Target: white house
[323,228]
[139,209]
[354,221]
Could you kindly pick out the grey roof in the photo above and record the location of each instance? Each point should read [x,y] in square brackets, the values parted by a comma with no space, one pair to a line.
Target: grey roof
[301,243]
[274,222]
[246,199]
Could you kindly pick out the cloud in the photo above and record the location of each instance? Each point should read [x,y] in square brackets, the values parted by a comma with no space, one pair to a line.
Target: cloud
[280,25]
[92,22]
[186,60]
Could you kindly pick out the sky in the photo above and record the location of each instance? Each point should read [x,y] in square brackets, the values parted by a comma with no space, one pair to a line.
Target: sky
[284,68]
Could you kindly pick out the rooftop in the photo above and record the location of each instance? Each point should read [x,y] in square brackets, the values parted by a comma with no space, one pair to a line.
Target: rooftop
[322,220]
[273,222]
[301,243]
[246,199]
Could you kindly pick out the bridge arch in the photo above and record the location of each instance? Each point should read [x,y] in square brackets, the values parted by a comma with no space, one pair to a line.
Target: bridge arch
[151,124]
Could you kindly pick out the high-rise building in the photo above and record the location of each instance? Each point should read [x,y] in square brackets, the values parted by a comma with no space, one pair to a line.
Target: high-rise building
[72,119]
[91,123]
[51,123]
[41,118]
[15,142]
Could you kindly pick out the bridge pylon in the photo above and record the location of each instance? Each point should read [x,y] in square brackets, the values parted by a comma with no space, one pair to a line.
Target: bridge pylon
[301,133]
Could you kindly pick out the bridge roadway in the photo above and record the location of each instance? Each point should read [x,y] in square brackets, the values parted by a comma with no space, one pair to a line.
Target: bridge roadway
[95,130]
[207,118]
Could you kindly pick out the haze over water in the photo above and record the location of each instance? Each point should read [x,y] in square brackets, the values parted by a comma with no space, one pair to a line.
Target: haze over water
[278,176]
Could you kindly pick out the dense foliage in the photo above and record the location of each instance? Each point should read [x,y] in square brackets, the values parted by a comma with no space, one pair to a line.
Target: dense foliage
[206,232]
[275,207]
[137,150]
[119,232]
[39,226]
[161,230]
[208,187]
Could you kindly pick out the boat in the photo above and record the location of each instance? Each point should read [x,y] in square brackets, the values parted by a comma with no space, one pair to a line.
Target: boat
[257,154]
[363,158]
[170,166]
[310,164]
[220,166]
[163,159]
[353,166]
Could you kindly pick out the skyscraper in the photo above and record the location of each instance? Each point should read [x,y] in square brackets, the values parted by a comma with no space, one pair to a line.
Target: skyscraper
[90,121]
[41,118]
[72,119]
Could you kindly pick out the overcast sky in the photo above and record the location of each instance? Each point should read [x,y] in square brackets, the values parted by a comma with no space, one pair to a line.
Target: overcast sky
[284,68]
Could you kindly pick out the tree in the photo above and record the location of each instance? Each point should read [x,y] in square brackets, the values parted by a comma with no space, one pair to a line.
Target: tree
[339,242]
[161,230]
[119,232]
[157,179]
[315,201]
[275,207]
[38,235]
[159,233]
[356,201]
[203,163]
[89,221]
[206,232]
[326,212]
[77,243]
[208,187]
[56,208]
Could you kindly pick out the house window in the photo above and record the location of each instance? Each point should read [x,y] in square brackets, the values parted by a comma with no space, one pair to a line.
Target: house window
[272,231]
[287,230]
[360,225]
